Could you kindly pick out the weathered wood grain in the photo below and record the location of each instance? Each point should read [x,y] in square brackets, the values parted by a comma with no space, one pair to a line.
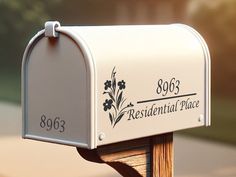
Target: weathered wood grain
[146,157]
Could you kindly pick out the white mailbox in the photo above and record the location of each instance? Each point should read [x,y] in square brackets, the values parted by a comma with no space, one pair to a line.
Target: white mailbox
[97,85]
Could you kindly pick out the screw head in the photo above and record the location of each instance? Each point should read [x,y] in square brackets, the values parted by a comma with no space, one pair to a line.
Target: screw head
[101,136]
[201,118]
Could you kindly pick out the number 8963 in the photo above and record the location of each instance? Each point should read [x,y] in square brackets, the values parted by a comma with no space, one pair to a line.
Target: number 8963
[49,124]
[165,87]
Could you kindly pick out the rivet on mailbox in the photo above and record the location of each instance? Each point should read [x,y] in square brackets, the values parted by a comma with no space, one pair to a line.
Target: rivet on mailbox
[97,85]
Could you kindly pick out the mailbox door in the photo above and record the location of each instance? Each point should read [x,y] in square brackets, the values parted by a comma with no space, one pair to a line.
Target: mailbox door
[56,92]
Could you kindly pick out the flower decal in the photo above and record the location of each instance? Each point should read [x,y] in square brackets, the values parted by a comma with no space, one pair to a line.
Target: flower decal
[107,104]
[116,101]
[121,84]
[107,84]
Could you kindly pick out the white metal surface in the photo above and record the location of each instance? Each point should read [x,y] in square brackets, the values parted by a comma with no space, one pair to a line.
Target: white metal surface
[123,82]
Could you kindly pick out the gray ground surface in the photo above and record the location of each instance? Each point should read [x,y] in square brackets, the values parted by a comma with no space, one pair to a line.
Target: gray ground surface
[27,158]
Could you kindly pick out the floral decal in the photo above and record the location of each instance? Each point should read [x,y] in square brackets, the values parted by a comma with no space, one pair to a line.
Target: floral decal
[107,105]
[107,84]
[121,84]
[115,104]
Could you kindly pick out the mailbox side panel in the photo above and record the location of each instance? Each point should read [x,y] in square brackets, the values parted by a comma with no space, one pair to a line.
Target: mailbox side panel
[150,80]
[56,92]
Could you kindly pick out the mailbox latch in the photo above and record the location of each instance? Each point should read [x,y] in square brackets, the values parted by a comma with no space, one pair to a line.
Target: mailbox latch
[50,28]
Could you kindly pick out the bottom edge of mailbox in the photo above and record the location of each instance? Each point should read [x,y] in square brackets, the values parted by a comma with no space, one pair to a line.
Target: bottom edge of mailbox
[56,141]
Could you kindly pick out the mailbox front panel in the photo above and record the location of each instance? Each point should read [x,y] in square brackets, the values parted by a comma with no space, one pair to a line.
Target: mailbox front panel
[56,96]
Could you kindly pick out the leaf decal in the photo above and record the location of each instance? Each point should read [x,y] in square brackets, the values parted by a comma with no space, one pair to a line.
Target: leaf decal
[113,73]
[111,96]
[111,118]
[119,100]
[114,85]
[118,119]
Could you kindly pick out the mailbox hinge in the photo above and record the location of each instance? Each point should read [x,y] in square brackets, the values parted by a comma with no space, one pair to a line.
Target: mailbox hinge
[50,28]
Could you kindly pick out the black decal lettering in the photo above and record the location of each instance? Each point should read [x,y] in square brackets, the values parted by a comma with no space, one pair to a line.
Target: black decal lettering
[131,114]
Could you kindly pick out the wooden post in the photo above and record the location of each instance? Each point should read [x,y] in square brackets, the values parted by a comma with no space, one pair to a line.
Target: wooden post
[146,157]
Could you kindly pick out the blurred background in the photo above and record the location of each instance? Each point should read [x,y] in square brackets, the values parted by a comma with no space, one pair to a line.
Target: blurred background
[214,19]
